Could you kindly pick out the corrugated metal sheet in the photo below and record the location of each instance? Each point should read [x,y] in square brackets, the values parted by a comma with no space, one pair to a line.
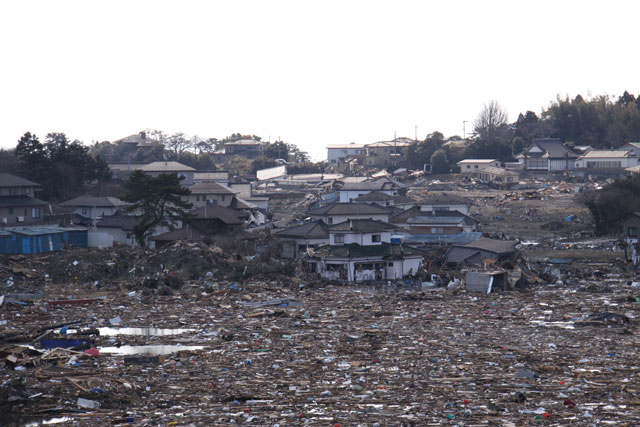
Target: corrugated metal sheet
[35,240]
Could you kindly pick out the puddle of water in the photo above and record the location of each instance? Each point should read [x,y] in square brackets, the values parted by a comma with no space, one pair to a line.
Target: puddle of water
[144,332]
[152,350]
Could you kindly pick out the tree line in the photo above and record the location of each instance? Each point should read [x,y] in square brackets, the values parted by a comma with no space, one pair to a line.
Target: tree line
[602,122]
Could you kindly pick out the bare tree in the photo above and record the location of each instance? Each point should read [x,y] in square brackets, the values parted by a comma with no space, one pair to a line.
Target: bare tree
[491,118]
[178,143]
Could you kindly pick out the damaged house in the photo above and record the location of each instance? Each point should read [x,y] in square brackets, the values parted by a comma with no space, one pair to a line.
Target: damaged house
[361,250]
[630,228]
[295,241]
[207,223]
[482,251]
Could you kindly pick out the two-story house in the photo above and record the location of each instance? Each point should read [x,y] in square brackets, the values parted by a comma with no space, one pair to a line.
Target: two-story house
[158,168]
[210,193]
[361,250]
[338,152]
[386,154]
[18,204]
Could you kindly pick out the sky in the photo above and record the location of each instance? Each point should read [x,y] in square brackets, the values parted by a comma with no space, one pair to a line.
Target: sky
[311,73]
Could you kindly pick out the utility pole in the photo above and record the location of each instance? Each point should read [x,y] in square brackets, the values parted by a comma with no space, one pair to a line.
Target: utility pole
[415,137]
[464,129]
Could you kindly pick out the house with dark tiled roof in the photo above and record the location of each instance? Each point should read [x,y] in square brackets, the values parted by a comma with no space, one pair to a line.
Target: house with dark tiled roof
[547,155]
[210,193]
[18,202]
[361,250]
[295,241]
[475,253]
[207,222]
[337,212]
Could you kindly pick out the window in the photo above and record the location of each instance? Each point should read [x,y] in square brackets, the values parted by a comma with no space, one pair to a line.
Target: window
[604,165]
[84,211]
[35,213]
[468,166]
[330,220]
[437,230]
[475,166]
[223,197]
[376,238]
[10,211]
[197,198]
[632,231]
[338,238]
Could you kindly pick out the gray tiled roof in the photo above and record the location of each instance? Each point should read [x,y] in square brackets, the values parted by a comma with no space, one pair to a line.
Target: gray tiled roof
[349,209]
[9,180]
[20,201]
[311,230]
[87,200]
[362,226]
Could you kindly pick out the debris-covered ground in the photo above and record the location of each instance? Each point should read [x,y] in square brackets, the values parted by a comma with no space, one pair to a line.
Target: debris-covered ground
[274,353]
[195,335]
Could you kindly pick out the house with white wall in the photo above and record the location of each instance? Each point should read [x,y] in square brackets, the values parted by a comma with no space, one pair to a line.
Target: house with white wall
[352,190]
[337,152]
[361,250]
[92,207]
[473,166]
[605,162]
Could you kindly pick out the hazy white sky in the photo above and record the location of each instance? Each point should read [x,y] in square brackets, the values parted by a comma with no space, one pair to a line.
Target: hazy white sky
[312,73]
